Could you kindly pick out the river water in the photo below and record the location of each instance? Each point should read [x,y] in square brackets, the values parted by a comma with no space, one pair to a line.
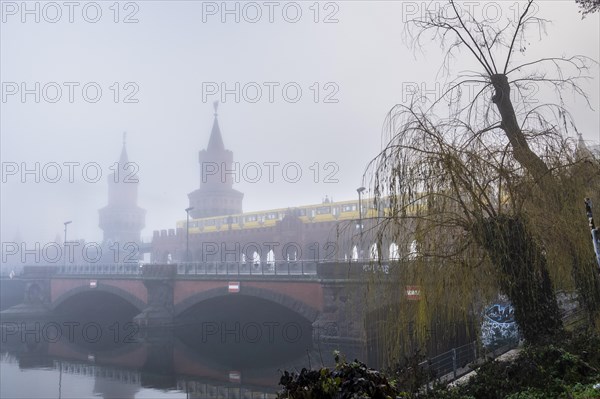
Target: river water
[113,359]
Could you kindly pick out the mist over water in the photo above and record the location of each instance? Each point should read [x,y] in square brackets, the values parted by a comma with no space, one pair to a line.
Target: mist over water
[90,351]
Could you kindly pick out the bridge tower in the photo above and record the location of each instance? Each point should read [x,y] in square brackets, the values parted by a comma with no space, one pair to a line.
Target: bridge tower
[216,195]
[122,220]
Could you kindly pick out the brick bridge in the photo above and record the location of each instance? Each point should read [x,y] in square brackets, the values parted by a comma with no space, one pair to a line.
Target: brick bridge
[327,294]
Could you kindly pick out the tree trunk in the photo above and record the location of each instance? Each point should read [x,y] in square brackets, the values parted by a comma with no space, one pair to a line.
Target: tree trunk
[522,153]
[523,276]
[587,285]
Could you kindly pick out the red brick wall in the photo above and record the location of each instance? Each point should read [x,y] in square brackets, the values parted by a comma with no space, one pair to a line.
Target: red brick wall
[59,287]
[307,292]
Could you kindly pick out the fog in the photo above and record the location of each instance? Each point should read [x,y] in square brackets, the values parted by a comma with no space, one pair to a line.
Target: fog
[350,66]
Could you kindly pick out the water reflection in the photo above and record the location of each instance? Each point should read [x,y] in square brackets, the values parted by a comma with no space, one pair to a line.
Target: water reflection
[167,363]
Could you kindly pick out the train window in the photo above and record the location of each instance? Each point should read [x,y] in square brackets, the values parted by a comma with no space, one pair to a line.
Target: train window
[349,208]
[210,222]
[323,210]
[272,215]
[250,218]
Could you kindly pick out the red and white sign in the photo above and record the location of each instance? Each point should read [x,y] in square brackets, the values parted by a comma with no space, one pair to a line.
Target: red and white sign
[234,287]
[235,376]
[413,292]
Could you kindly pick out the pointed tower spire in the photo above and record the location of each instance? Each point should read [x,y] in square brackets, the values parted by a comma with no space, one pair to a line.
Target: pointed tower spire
[215,196]
[122,220]
[123,159]
[215,143]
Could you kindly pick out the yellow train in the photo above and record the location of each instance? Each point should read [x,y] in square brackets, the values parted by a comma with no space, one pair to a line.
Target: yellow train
[327,211]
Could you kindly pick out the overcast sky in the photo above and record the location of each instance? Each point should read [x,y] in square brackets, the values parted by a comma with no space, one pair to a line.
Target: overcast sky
[168,61]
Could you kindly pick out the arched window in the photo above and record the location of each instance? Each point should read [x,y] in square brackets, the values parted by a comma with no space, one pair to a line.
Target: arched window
[256,258]
[271,258]
[292,254]
[413,250]
[394,254]
[374,252]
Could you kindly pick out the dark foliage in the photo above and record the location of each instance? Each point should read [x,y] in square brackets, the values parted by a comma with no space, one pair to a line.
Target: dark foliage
[346,381]
[549,371]
[567,369]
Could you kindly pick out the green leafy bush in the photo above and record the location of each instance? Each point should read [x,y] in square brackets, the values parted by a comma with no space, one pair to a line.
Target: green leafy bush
[348,380]
[569,369]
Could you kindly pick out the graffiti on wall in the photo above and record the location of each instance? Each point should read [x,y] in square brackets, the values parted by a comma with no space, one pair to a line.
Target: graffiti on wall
[499,327]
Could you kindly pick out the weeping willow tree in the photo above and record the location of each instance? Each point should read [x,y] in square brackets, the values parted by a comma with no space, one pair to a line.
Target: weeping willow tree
[491,192]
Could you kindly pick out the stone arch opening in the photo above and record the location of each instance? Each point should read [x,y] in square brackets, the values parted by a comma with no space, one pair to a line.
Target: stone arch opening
[102,290]
[97,319]
[244,329]
[304,310]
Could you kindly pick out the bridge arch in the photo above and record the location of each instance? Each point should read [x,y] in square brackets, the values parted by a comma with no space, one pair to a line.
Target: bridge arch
[83,289]
[301,308]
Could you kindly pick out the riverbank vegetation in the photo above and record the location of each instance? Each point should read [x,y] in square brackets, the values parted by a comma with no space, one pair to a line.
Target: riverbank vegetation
[566,369]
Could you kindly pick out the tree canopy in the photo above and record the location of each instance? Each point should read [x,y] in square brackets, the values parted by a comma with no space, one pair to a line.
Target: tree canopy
[489,185]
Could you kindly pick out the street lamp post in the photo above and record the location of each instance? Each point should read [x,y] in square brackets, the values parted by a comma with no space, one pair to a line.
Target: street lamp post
[65,243]
[360,225]
[187,234]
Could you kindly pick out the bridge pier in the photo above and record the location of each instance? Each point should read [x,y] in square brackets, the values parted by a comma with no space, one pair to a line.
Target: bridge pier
[341,319]
[159,281]
[340,324]
[36,300]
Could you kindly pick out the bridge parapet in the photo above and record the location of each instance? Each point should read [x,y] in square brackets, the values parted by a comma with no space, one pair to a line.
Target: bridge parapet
[282,268]
[101,268]
[351,270]
[322,269]
[39,271]
[159,271]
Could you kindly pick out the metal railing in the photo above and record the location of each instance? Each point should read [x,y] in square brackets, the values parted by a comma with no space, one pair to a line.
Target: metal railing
[285,268]
[453,362]
[292,268]
[99,269]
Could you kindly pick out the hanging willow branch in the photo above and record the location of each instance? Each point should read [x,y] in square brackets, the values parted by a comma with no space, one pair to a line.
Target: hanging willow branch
[486,185]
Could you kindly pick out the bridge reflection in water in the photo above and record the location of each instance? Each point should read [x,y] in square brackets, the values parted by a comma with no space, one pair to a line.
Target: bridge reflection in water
[113,382]
[162,366]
